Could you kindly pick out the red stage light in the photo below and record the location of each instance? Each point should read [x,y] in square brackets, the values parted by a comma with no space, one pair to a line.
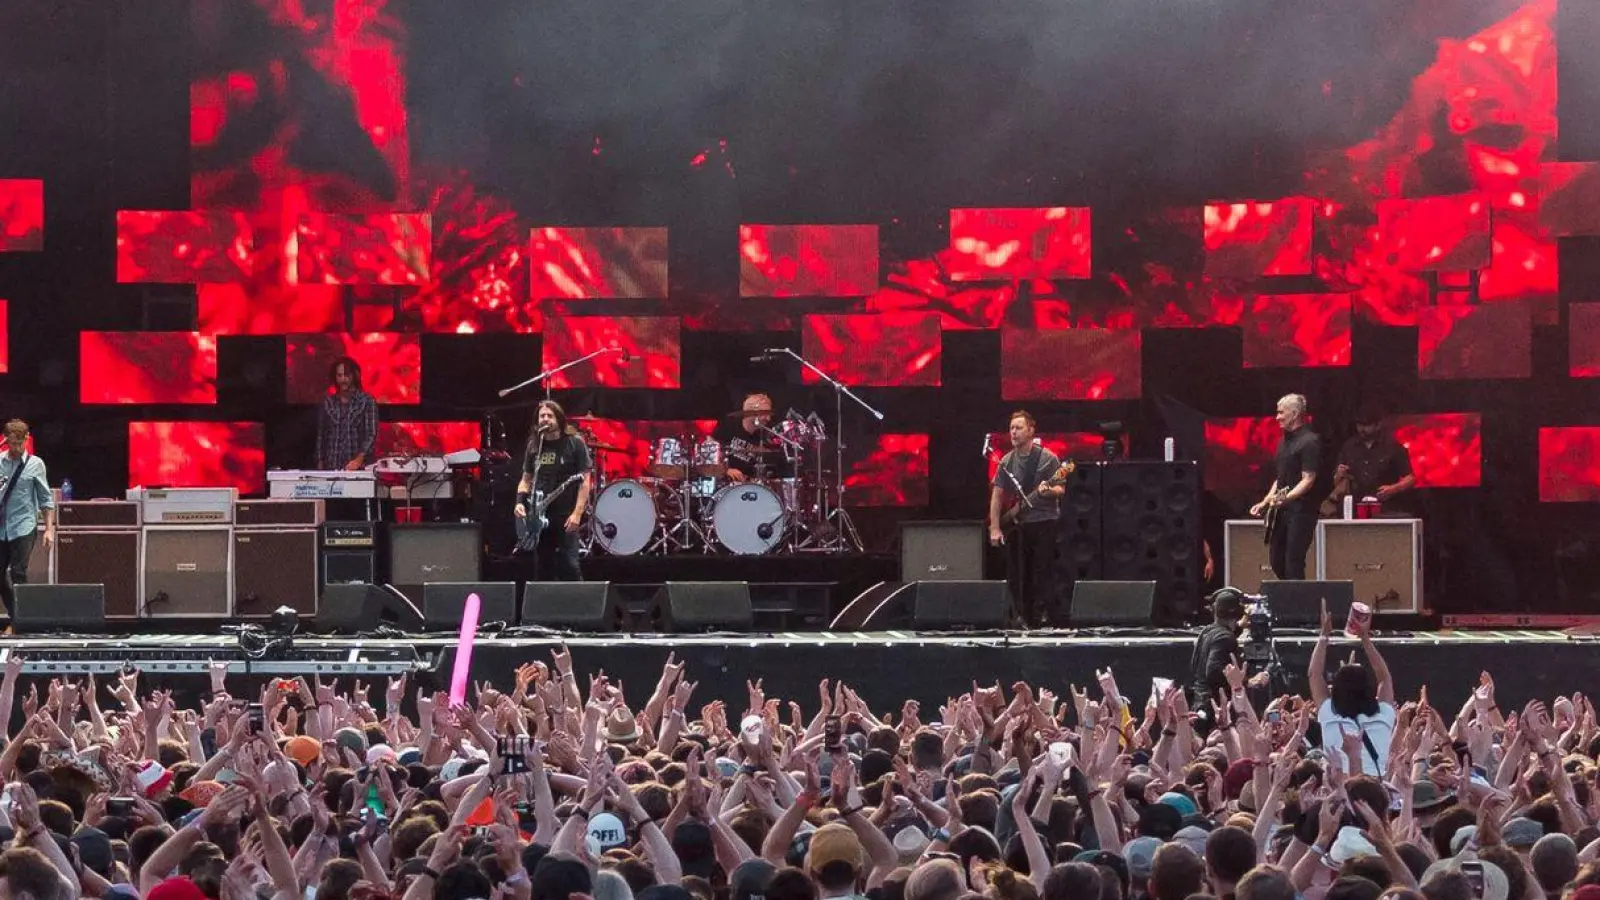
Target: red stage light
[391,365]
[1238,458]
[147,367]
[1446,448]
[1569,465]
[184,247]
[887,350]
[198,454]
[21,215]
[1490,340]
[808,260]
[1019,243]
[651,343]
[587,263]
[1074,364]
[1296,330]
[1250,239]
[893,471]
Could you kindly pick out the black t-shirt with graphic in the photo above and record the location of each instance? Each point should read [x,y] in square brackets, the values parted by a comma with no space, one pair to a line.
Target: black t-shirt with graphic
[738,443]
[556,460]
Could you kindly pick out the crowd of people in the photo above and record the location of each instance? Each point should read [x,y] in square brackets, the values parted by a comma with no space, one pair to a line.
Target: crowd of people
[554,790]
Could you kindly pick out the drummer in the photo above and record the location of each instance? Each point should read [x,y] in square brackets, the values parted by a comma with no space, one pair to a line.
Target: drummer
[745,442]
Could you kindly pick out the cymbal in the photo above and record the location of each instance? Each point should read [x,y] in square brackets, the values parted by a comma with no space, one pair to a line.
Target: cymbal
[604,448]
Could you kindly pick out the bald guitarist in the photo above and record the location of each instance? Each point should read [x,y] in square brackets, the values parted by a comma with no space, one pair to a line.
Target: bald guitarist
[1026,479]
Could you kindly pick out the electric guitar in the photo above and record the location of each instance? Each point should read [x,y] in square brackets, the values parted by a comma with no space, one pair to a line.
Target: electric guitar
[1272,513]
[531,526]
[1010,516]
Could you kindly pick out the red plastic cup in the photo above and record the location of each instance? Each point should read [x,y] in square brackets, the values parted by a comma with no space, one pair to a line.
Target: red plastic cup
[408,514]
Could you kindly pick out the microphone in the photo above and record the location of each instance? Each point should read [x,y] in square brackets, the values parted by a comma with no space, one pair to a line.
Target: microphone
[988,445]
[761,357]
[626,355]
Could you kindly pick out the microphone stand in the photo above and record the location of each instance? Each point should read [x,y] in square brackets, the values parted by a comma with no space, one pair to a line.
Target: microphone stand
[543,376]
[845,537]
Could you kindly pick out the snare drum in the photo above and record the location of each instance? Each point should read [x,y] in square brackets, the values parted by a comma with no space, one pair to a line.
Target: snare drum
[624,518]
[748,519]
[669,458]
[709,458]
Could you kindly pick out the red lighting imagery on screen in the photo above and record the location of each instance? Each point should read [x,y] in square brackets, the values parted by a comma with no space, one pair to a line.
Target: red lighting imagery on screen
[1251,239]
[21,215]
[635,442]
[1438,234]
[990,244]
[1072,364]
[1583,340]
[183,247]
[808,260]
[269,309]
[590,263]
[650,343]
[1082,446]
[389,248]
[427,438]
[887,350]
[892,471]
[1296,330]
[1569,198]
[1446,449]
[147,367]
[391,365]
[5,341]
[925,285]
[1489,340]
[1238,458]
[1569,465]
[198,454]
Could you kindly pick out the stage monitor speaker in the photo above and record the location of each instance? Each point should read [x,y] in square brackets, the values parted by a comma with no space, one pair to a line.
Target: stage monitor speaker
[1150,523]
[273,568]
[444,601]
[570,606]
[109,558]
[349,567]
[75,608]
[434,552]
[961,604]
[187,571]
[1121,604]
[1298,604]
[941,551]
[703,606]
[363,607]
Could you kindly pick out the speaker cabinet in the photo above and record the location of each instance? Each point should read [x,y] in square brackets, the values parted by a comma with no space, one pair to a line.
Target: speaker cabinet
[1150,527]
[961,604]
[277,513]
[1121,604]
[570,605]
[703,606]
[434,552]
[941,551]
[1298,604]
[1078,538]
[444,602]
[273,568]
[1245,562]
[187,571]
[1382,557]
[60,607]
[98,514]
[109,558]
[353,608]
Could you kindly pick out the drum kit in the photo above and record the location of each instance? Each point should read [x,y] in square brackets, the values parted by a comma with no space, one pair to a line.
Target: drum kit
[686,501]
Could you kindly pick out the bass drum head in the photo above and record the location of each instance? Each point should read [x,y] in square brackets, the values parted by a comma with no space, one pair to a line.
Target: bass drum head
[748,518]
[624,518]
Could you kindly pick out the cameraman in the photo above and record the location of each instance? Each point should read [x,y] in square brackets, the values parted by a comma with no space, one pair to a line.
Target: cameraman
[1214,649]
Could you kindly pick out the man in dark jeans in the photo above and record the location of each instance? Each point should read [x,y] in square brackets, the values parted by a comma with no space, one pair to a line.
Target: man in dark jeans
[1299,454]
[1031,540]
[23,493]
[555,467]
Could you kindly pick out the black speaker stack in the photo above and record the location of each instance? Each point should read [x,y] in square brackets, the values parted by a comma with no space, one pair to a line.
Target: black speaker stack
[1135,521]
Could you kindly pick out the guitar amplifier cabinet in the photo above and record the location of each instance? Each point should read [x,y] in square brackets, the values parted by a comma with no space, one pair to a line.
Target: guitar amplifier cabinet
[1246,563]
[273,568]
[97,514]
[187,571]
[107,557]
[1382,557]
[277,514]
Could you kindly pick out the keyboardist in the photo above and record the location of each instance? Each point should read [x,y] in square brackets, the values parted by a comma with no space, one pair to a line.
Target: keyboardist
[347,424]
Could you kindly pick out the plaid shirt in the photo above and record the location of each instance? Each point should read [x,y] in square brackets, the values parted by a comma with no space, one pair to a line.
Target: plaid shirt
[346,430]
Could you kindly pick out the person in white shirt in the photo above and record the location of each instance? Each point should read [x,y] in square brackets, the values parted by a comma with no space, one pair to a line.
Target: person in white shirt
[1359,702]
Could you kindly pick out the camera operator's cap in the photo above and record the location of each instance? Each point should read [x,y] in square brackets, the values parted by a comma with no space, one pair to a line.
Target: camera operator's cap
[608,830]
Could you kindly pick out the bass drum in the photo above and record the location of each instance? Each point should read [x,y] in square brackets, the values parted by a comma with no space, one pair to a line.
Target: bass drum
[748,519]
[624,518]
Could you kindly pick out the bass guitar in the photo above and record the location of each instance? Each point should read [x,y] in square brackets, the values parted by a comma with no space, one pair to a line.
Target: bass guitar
[1010,516]
[531,526]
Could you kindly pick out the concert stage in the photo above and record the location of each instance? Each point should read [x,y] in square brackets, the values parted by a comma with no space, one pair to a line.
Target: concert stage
[885,667]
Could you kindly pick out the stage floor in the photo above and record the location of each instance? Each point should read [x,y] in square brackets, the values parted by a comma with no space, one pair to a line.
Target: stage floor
[885,667]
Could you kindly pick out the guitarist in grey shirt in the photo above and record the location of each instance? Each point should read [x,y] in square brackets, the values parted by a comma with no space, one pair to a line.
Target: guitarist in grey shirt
[1029,533]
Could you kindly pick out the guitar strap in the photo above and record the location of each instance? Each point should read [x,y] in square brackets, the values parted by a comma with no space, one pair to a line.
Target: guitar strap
[11,487]
[1031,471]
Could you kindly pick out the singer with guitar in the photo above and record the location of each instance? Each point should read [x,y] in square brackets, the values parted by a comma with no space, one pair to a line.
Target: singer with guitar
[555,489]
[1026,479]
[1290,513]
